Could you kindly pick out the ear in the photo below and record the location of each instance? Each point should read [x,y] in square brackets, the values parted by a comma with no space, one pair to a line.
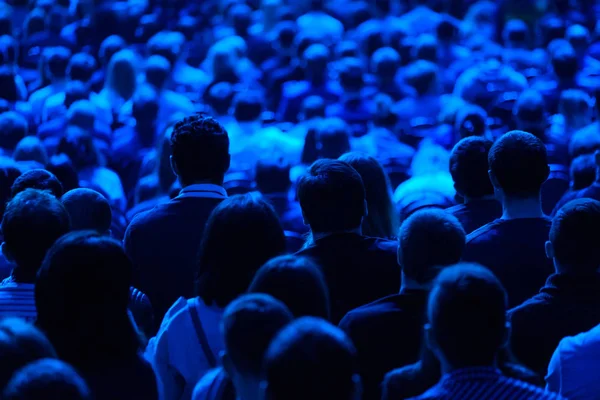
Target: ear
[7,254]
[227,163]
[493,179]
[358,387]
[173,166]
[366,206]
[429,339]
[507,333]
[549,250]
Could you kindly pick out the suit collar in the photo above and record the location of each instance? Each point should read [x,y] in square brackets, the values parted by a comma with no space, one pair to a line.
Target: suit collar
[203,190]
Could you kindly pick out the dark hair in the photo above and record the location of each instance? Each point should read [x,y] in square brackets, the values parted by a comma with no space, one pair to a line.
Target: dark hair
[9,172]
[200,148]
[46,379]
[313,107]
[220,97]
[241,234]
[13,128]
[79,146]
[467,313]
[574,235]
[297,282]
[469,167]
[286,33]
[20,344]
[585,141]
[530,113]
[81,67]
[421,75]
[61,166]
[109,47]
[426,48]
[381,220]
[8,86]
[519,162]
[385,62]
[35,22]
[471,120]
[88,209]
[249,324]
[311,359]
[58,60]
[332,196]
[39,179]
[351,74]
[583,171]
[248,106]
[429,240]
[31,148]
[145,109]
[272,176]
[158,69]
[332,138]
[515,31]
[75,91]
[564,62]
[241,16]
[81,296]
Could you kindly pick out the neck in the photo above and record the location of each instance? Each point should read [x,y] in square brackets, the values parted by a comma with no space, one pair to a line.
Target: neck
[218,182]
[468,199]
[320,235]
[248,388]
[449,368]
[515,208]
[410,284]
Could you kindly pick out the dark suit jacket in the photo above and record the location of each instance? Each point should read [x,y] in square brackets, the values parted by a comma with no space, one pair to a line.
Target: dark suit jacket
[475,214]
[163,244]
[387,334]
[358,269]
[566,306]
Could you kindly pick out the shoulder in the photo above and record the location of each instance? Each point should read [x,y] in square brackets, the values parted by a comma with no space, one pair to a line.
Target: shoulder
[363,314]
[203,389]
[456,209]
[520,389]
[483,233]
[529,307]
[295,88]
[383,245]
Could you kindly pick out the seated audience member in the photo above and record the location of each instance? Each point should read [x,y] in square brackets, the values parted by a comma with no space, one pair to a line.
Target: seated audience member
[582,173]
[569,303]
[471,121]
[331,138]
[469,170]
[388,332]
[89,324]
[381,220]
[297,282]
[46,379]
[31,151]
[512,247]
[58,60]
[240,236]
[13,128]
[38,179]
[32,222]
[385,63]
[466,331]
[171,232]
[62,167]
[311,359]
[249,324]
[357,269]
[590,192]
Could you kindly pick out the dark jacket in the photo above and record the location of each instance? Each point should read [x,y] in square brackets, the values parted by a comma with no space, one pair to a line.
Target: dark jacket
[567,305]
[357,269]
[477,213]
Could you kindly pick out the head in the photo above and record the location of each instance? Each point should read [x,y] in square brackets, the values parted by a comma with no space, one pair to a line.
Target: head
[79,146]
[109,47]
[530,113]
[13,128]
[573,238]
[75,91]
[564,62]
[145,109]
[332,139]
[241,19]
[249,325]
[248,106]
[311,359]
[351,75]
[121,75]
[58,61]
[316,58]
[471,120]
[46,378]
[385,63]
[333,197]
[295,281]
[579,37]
[469,167]
[38,179]
[158,70]
[8,87]
[518,165]
[81,67]
[584,142]
[516,34]
[272,176]
[34,22]
[82,113]
[199,150]
[467,317]
[313,107]
[30,148]
[220,98]
[32,222]
[89,210]
[61,166]
[422,75]
[426,48]
[250,225]
[381,219]
[166,44]
[576,106]
[9,172]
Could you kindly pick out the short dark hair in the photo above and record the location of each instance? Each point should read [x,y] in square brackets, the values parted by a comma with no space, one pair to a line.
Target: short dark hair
[332,196]
[58,60]
[109,47]
[220,97]
[333,138]
[157,72]
[467,313]
[248,106]
[32,222]
[564,62]
[515,31]
[351,74]
[421,75]
[575,237]
[519,162]
[46,379]
[311,359]
[297,282]
[81,67]
[9,172]
[583,171]
[88,209]
[249,324]
[471,120]
[79,146]
[422,230]
[13,128]
[469,167]
[251,226]
[272,176]
[530,112]
[585,141]
[200,149]
[39,179]
[241,16]
[385,62]
[62,167]
[31,148]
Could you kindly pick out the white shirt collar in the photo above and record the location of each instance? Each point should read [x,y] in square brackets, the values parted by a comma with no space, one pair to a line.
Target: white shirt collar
[203,190]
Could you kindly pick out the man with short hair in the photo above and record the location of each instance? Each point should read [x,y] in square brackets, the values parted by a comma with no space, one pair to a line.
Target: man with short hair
[469,170]
[163,243]
[357,269]
[513,246]
[311,359]
[466,331]
[13,128]
[89,210]
[388,332]
[569,303]
[39,179]
[32,222]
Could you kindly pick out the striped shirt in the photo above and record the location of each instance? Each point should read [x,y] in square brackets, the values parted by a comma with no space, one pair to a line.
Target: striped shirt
[17,300]
[484,384]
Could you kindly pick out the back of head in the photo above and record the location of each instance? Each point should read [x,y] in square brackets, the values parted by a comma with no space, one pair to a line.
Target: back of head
[145,109]
[241,18]
[121,75]
[351,75]
[251,226]
[332,197]
[471,121]
[248,106]
[297,282]
[583,171]
[32,222]
[200,150]
[75,91]
[332,138]
[35,22]
[385,62]
[576,106]
[286,34]
[428,241]
[58,60]
[88,209]
[9,172]
[109,47]
[46,379]
[518,163]
[469,167]
[220,97]
[578,36]
[467,313]
[272,176]
[39,179]
[81,67]
[157,71]
[8,87]
[313,107]
[13,128]
[574,237]
[425,48]
[422,75]
[515,34]
[61,166]
[82,113]
[316,57]
[249,324]
[564,61]
[30,148]
[311,359]
[529,112]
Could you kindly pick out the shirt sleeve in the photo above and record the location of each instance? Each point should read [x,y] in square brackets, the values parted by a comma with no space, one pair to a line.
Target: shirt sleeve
[554,376]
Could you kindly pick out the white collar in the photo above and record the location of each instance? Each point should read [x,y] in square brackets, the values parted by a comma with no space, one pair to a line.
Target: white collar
[203,190]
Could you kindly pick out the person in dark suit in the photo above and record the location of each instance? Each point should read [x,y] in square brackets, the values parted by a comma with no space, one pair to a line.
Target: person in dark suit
[357,269]
[569,303]
[469,170]
[388,332]
[163,243]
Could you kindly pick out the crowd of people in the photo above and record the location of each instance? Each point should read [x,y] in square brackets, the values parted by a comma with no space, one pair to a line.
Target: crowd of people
[291,200]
